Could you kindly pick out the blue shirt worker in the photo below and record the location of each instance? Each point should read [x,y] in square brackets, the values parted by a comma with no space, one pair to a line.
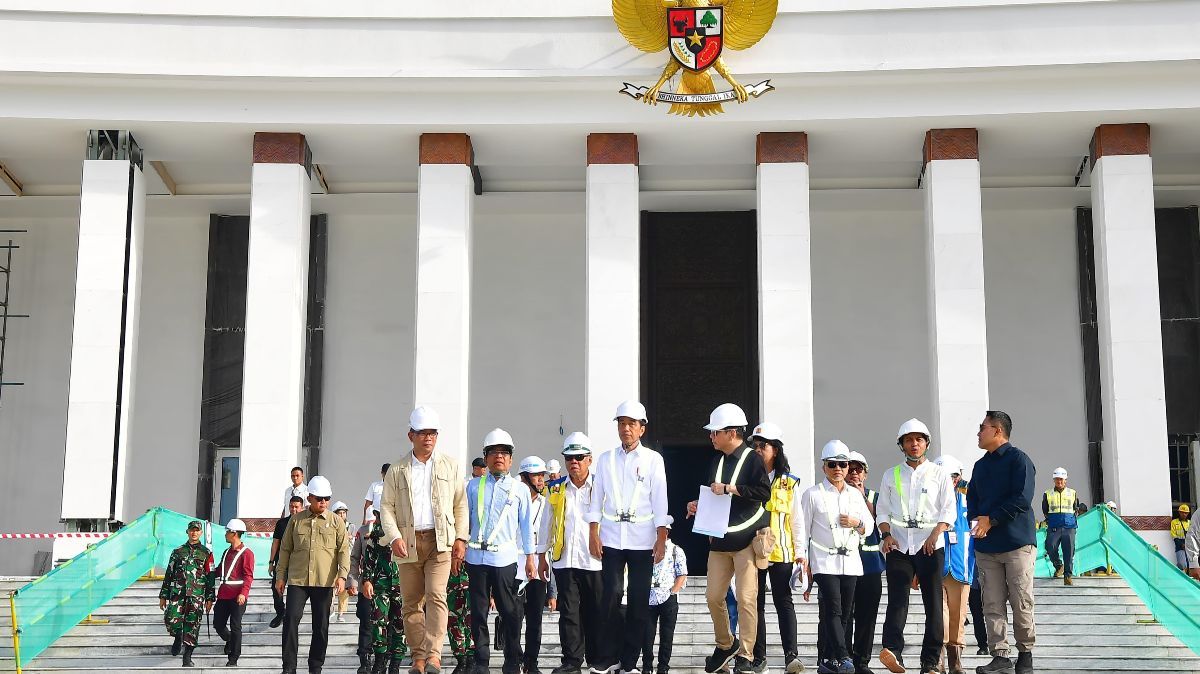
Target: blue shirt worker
[959,568]
[999,501]
[1058,507]
[501,537]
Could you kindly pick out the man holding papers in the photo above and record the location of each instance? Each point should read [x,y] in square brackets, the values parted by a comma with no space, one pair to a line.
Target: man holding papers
[739,477]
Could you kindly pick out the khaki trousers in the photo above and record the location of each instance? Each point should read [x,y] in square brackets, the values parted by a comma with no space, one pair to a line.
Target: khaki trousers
[423,587]
[1007,578]
[722,567]
[954,610]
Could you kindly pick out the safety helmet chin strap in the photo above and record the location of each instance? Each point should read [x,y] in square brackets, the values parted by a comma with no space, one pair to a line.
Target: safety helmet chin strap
[915,459]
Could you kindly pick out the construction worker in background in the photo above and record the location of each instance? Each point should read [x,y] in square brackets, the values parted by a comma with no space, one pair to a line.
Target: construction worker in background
[1179,529]
[187,592]
[1058,507]
[343,598]
[736,471]
[576,571]
[381,585]
[537,588]
[916,506]
[959,569]
[500,539]
[553,470]
[784,504]
[628,521]
[868,588]
[478,467]
[235,574]
[833,522]
[294,506]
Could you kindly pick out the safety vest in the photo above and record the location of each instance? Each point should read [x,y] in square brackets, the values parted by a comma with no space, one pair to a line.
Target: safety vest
[1060,506]
[871,544]
[737,468]
[626,512]
[783,491]
[909,520]
[1179,528]
[480,542]
[959,559]
[556,496]
[850,539]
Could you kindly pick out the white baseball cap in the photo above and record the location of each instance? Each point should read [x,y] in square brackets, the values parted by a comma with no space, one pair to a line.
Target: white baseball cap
[236,525]
[726,415]
[424,418]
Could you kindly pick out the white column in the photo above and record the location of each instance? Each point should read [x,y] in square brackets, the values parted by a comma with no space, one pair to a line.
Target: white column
[785,295]
[276,321]
[1130,334]
[104,335]
[957,321]
[613,285]
[445,207]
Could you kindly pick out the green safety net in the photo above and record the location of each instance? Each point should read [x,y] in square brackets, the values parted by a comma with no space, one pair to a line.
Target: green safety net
[51,605]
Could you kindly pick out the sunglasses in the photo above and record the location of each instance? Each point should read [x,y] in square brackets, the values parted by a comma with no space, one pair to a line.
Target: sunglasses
[856,468]
[322,498]
[577,459]
[837,464]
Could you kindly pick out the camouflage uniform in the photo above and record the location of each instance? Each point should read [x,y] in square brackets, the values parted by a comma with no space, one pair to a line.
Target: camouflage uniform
[460,616]
[387,621]
[187,584]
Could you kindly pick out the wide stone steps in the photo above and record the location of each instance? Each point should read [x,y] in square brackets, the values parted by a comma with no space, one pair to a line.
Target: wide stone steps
[1098,625]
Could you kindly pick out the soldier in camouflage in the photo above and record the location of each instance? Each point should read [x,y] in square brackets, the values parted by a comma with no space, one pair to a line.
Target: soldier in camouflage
[381,584]
[187,592]
[460,620]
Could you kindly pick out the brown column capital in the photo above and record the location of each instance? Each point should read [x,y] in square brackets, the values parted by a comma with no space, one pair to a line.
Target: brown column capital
[281,148]
[446,148]
[781,147]
[1119,139]
[612,148]
[950,144]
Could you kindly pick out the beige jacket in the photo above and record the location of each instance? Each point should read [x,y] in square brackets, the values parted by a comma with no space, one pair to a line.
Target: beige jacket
[449,505]
[315,550]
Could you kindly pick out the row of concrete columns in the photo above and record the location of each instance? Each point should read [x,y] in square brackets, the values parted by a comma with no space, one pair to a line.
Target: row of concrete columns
[105,329]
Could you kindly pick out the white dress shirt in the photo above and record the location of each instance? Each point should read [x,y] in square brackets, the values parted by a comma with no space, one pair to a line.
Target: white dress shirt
[539,527]
[576,531]
[301,491]
[632,482]
[422,493]
[928,499]
[820,505]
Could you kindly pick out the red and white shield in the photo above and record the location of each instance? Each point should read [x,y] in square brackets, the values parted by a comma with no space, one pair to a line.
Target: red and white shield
[694,35]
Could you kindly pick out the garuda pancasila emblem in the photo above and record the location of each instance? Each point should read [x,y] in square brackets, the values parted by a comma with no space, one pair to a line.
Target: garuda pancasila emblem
[695,32]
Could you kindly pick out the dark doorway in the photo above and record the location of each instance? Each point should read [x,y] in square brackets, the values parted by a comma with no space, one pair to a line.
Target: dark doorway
[699,343]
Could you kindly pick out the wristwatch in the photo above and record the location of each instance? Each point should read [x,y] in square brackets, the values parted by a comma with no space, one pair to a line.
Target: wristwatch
[884,534]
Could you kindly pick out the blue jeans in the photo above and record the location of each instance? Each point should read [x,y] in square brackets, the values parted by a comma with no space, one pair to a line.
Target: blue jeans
[1064,539]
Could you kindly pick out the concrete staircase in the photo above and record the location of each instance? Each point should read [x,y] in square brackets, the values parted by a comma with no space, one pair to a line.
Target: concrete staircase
[1098,625]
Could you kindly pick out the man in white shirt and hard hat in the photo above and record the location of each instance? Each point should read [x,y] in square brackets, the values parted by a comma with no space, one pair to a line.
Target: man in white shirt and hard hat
[501,538]
[576,571]
[537,587]
[833,522]
[628,518]
[916,505]
[737,471]
[1058,509]
[424,519]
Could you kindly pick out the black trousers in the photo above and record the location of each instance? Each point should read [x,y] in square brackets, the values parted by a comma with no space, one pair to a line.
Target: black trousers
[497,583]
[785,609]
[663,617]
[578,615]
[320,598]
[532,603]
[362,610]
[622,641]
[868,589]
[835,603]
[227,611]
[975,601]
[276,598]
[900,571]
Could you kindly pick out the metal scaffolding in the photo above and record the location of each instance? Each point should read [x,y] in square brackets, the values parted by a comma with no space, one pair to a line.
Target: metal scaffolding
[5,309]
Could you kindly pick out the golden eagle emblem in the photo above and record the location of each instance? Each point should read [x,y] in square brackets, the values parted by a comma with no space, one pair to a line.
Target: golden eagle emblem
[695,32]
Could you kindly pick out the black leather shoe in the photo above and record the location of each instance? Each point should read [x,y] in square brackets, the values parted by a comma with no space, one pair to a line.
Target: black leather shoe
[177,645]
[998,665]
[564,669]
[232,662]
[720,658]
[1025,663]
[276,621]
[187,656]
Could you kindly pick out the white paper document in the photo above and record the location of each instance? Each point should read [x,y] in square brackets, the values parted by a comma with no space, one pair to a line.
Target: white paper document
[712,513]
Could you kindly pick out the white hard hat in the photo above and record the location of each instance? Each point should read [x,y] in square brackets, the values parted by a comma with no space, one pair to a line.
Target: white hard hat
[340,505]
[532,464]
[1112,505]
[577,444]
[835,449]
[424,419]
[858,457]
[553,466]
[912,426]
[768,431]
[724,416]
[1060,472]
[319,486]
[498,436]
[952,465]
[236,525]
[632,409]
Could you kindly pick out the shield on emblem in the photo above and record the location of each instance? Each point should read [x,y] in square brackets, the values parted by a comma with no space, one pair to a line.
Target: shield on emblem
[694,35]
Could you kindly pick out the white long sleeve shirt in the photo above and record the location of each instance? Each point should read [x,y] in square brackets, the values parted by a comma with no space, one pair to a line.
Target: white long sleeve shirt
[927,499]
[817,530]
[635,483]
[576,531]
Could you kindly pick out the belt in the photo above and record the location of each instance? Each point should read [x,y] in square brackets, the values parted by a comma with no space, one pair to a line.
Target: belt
[845,551]
[487,547]
[426,532]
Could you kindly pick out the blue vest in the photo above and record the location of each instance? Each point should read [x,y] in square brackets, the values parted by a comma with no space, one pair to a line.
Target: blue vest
[960,554]
[872,558]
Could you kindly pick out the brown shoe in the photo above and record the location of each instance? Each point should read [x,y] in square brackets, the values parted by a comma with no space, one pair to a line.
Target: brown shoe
[1068,581]
[954,659]
[889,660]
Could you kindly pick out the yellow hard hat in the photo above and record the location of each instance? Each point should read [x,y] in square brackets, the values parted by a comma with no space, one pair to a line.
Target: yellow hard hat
[1185,508]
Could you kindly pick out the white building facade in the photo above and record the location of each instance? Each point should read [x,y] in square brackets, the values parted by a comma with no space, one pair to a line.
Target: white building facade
[293,222]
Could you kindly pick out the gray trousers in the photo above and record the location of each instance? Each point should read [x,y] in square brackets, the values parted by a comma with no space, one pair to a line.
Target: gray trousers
[1006,579]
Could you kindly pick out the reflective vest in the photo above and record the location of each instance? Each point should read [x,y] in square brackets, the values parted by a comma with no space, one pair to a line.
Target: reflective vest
[737,469]
[1060,508]
[783,493]
[959,560]
[626,510]
[1179,528]
[556,496]
[907,519]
